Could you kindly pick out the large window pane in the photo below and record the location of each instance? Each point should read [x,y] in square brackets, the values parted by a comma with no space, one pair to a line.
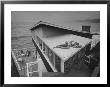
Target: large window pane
[46,52]
[57,63]
[51,57]
[40,43]
[68,65]
[44,48]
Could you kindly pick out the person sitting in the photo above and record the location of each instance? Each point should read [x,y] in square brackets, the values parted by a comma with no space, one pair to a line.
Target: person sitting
[20,60]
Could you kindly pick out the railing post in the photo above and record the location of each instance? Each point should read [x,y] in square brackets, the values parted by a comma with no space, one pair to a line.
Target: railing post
[27,69]
[39,68]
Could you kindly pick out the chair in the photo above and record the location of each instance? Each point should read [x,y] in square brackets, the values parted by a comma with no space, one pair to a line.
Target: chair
[86,59]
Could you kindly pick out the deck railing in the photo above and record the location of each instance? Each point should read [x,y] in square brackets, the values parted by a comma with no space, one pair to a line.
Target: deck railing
[34,67]
[29,69]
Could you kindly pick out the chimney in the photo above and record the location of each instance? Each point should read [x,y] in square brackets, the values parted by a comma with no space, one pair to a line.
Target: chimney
[86,28]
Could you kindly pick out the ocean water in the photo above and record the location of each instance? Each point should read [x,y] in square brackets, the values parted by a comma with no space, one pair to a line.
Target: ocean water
[21,36]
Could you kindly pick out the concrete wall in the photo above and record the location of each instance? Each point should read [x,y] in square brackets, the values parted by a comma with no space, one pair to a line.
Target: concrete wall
[95,40]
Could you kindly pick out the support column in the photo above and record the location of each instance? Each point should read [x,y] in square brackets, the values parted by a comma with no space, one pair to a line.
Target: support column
[62,66]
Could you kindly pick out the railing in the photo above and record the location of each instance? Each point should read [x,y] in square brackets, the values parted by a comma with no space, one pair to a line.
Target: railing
[34,67]
[27,69]
[16,62]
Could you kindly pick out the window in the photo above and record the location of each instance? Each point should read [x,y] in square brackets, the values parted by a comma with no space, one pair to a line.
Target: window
[76,61]
[68,65]
[53,60]
[87,52]
[51,56]
[57,63]
[40,44]
[38,40]
[44,48]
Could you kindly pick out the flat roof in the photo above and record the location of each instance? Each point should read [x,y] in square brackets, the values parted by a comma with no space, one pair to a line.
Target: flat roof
[64,54]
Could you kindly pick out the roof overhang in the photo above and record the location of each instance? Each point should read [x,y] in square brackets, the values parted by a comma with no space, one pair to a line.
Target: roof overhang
[61,27]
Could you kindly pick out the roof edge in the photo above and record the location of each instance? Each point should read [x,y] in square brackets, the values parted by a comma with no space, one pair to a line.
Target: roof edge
[63,27]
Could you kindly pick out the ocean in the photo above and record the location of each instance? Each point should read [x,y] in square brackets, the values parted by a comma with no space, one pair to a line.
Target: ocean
[21,36]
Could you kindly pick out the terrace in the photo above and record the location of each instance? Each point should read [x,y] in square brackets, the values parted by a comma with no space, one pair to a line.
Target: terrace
[26,62]
[65,53]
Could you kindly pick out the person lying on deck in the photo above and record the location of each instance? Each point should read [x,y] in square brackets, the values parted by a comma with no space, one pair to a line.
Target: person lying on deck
[67,45]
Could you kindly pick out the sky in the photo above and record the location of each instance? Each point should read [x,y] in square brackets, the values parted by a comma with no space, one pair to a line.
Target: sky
[24,20]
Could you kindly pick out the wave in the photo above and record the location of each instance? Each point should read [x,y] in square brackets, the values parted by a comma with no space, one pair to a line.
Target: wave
[16,38]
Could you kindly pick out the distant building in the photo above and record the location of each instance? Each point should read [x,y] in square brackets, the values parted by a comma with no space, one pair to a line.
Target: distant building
[47,36]
[86,28]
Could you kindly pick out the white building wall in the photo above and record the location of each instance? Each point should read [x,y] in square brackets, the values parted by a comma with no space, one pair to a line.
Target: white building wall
[95,40]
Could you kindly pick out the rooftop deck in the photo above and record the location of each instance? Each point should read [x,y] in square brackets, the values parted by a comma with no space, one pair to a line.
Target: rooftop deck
[64,54]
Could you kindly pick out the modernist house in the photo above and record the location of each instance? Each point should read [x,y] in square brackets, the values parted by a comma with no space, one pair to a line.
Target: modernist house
[60,47]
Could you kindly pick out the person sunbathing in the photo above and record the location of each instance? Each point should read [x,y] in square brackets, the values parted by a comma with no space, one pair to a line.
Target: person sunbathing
[65,46]
[75,45]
